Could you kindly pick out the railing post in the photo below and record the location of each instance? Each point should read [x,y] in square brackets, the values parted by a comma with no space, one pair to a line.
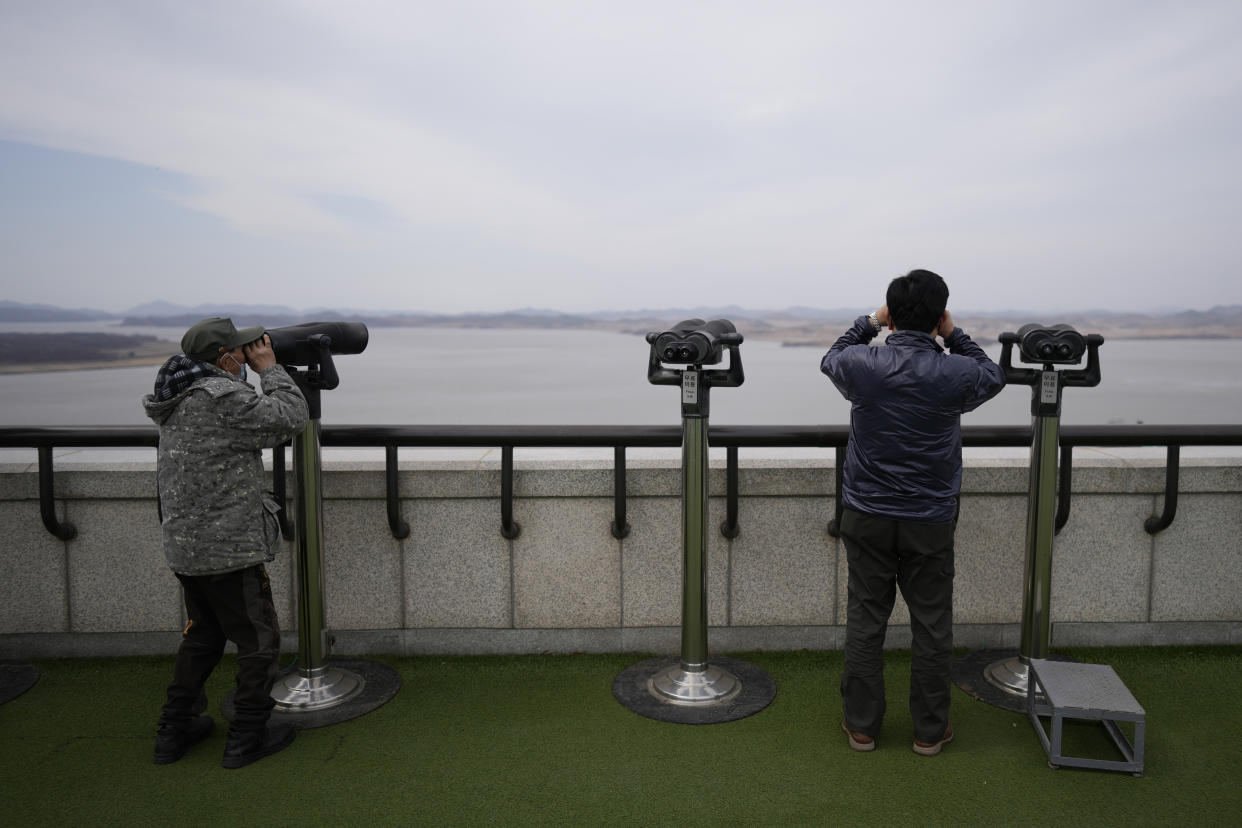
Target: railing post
[509,528]
[1063,488]
[47,498]
[620,528]
[399,528]
[279,489]
[838,483]
[1155,524]
[729,528]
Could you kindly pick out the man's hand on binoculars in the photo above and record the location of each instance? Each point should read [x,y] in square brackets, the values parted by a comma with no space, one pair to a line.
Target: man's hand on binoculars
[259,354]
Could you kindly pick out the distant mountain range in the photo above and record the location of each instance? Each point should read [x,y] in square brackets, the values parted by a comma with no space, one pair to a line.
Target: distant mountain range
[17,312]
[793,326]
[149,312]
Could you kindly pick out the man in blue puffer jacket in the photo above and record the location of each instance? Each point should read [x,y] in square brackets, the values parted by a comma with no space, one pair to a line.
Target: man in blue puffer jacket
[902,477]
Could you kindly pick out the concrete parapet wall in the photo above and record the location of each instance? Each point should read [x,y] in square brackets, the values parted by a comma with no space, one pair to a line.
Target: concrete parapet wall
[455,585]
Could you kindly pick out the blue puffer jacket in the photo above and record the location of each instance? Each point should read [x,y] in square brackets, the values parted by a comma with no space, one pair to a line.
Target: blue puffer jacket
[904,458]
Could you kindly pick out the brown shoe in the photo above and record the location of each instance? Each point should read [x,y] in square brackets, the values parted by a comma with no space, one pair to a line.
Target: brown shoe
[932,748]
[858,741]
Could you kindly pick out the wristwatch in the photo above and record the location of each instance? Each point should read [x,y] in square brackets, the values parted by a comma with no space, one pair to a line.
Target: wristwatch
[874,320]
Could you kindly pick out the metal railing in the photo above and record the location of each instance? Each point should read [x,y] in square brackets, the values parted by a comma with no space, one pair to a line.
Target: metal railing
[392,438]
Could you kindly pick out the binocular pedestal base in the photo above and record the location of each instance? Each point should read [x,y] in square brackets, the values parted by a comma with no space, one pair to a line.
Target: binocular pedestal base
[16,679]
[376,684]
[725,690]
[697,684]
[317,689]
[1009,675]
[990,676]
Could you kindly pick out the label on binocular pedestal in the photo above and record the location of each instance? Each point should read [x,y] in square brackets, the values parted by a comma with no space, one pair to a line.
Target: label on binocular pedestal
[689,387]
[1048,388]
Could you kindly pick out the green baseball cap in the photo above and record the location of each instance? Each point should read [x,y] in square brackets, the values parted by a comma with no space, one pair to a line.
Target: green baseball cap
[204,340]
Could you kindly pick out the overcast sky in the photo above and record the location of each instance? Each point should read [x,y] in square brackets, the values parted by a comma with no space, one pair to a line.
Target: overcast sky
[455,156]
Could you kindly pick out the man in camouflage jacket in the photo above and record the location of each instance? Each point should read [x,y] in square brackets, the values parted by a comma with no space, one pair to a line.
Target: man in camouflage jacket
[220,528]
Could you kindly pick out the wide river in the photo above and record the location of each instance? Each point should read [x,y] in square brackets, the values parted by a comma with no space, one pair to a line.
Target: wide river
[443,376]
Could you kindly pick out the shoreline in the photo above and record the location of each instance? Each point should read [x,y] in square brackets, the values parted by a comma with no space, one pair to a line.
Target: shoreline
[34,353]
[91,365]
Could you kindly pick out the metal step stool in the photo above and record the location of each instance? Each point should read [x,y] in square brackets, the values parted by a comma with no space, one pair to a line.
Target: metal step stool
[1084,691]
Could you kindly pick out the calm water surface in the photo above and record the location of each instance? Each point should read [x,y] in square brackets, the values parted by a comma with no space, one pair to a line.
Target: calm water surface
[424,376]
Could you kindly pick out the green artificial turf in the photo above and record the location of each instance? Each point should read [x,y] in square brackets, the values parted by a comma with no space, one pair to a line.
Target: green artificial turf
[541,740]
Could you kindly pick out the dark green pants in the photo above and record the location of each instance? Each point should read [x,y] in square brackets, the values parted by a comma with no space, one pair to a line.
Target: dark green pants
[236,606]
[885,555]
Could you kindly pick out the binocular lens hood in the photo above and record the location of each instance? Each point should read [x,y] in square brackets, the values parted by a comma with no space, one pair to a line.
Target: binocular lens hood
[293,344]
[694,341]
[1051,344]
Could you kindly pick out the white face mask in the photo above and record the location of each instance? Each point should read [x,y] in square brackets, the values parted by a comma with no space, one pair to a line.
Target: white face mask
[241,367]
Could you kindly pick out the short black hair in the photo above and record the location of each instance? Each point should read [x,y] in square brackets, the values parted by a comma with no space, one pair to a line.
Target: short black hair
[917,300]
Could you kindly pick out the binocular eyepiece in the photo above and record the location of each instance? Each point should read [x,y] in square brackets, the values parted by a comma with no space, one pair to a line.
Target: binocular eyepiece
[1048,344]
[305,344]
[694,342]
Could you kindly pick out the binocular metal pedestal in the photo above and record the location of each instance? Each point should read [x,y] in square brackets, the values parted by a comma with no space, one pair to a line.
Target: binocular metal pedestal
[692,680]
[315,685]
[315,693]
[1010,674]
[1004,680]
[695,689]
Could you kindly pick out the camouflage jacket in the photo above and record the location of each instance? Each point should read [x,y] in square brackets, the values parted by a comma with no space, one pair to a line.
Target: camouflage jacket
[217,517]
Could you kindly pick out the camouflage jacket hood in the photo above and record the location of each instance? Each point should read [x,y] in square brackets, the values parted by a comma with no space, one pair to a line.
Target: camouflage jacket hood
[217,517]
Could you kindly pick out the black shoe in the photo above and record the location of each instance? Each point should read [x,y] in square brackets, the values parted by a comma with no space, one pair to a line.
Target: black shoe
[246,746]
[173,740]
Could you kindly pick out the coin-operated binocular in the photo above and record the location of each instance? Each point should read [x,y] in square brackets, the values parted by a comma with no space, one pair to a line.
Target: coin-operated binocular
[1050,345]
[1053,345]
[1047,346]
[695,343]
[690,689]
[301,344]
[310,346]
[306,352]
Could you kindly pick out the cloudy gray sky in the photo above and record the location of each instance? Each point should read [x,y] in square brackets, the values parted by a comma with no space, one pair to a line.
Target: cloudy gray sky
[584,156]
